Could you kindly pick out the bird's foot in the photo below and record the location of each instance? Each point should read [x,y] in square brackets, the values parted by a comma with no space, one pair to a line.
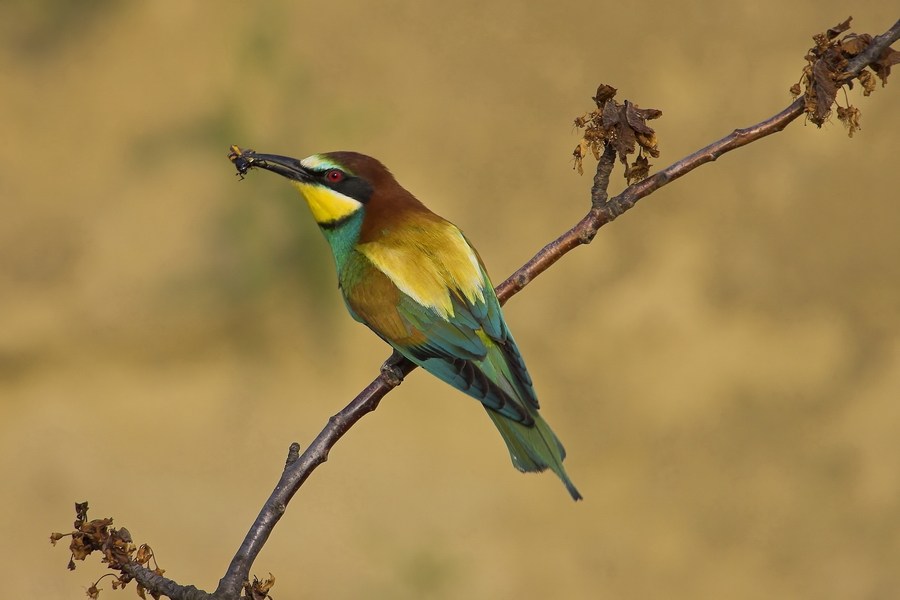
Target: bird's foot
[390,370]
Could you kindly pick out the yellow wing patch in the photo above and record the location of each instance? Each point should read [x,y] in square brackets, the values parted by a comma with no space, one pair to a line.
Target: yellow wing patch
[326,205]
[427,263]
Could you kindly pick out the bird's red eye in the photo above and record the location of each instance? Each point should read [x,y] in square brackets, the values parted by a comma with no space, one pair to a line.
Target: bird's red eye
[334,175]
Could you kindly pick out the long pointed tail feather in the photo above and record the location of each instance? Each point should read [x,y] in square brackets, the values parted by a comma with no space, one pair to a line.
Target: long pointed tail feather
[534,449]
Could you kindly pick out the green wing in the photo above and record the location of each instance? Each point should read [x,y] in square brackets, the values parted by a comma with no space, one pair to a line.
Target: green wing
[473,351]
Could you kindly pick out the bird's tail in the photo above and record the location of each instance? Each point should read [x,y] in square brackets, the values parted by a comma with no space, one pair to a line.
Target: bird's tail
[534,449]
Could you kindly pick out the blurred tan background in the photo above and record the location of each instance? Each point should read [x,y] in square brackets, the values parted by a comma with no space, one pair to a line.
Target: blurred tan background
[723,363]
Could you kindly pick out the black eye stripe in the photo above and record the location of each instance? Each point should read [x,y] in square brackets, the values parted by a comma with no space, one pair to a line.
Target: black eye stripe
[354,187]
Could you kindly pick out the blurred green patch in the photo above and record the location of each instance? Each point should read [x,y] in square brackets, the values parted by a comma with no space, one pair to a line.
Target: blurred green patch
[33,29]
[427,575]
[267,239]
[269,258]
[16,364]
[209,132]
[420,573]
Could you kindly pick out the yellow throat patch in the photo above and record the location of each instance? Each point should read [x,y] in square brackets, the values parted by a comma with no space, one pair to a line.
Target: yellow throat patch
[327,206]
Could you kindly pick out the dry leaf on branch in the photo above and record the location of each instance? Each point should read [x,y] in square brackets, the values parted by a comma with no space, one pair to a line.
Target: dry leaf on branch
[824,75]
[116,545]
[624,127]
[850,118]
[882,66]
[838,29]
[259,590]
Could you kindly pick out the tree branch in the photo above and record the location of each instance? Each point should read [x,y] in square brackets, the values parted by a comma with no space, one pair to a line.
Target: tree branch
[603,211]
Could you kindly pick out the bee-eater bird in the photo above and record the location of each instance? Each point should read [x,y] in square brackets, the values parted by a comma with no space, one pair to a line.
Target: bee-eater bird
[415,280]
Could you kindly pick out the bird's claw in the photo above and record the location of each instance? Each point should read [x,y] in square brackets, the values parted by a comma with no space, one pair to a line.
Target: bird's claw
[390,370]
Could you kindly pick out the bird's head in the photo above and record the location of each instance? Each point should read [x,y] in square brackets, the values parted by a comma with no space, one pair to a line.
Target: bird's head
[339,187]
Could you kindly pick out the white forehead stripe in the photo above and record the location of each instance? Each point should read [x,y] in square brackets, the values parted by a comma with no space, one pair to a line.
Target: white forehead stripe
[317,162]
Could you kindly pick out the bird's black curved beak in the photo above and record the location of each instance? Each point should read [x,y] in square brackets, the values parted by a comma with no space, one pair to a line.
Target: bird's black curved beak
[244,160]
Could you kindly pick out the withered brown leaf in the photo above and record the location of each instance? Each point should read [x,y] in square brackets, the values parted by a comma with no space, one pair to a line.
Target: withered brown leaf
[258,590]
[636,118]
[853,44]
[604,93]
[81,510]
[838,29]
[267,584]
[80,546]
[610,115]
[867,80]
[850,118]
[638,170]
[648,144]
[579,157]
[825,92]
[882,66]
[144,554]
[261,588]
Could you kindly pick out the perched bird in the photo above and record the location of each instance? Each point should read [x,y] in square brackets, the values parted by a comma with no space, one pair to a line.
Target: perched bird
[414,279]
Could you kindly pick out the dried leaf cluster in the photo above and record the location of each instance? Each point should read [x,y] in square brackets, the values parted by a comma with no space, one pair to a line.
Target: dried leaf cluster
[259,590]
[115,544]
[824,74]
[121,554]
[624,126]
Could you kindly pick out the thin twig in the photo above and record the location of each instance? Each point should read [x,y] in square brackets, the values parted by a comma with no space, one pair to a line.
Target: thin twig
[165,586]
